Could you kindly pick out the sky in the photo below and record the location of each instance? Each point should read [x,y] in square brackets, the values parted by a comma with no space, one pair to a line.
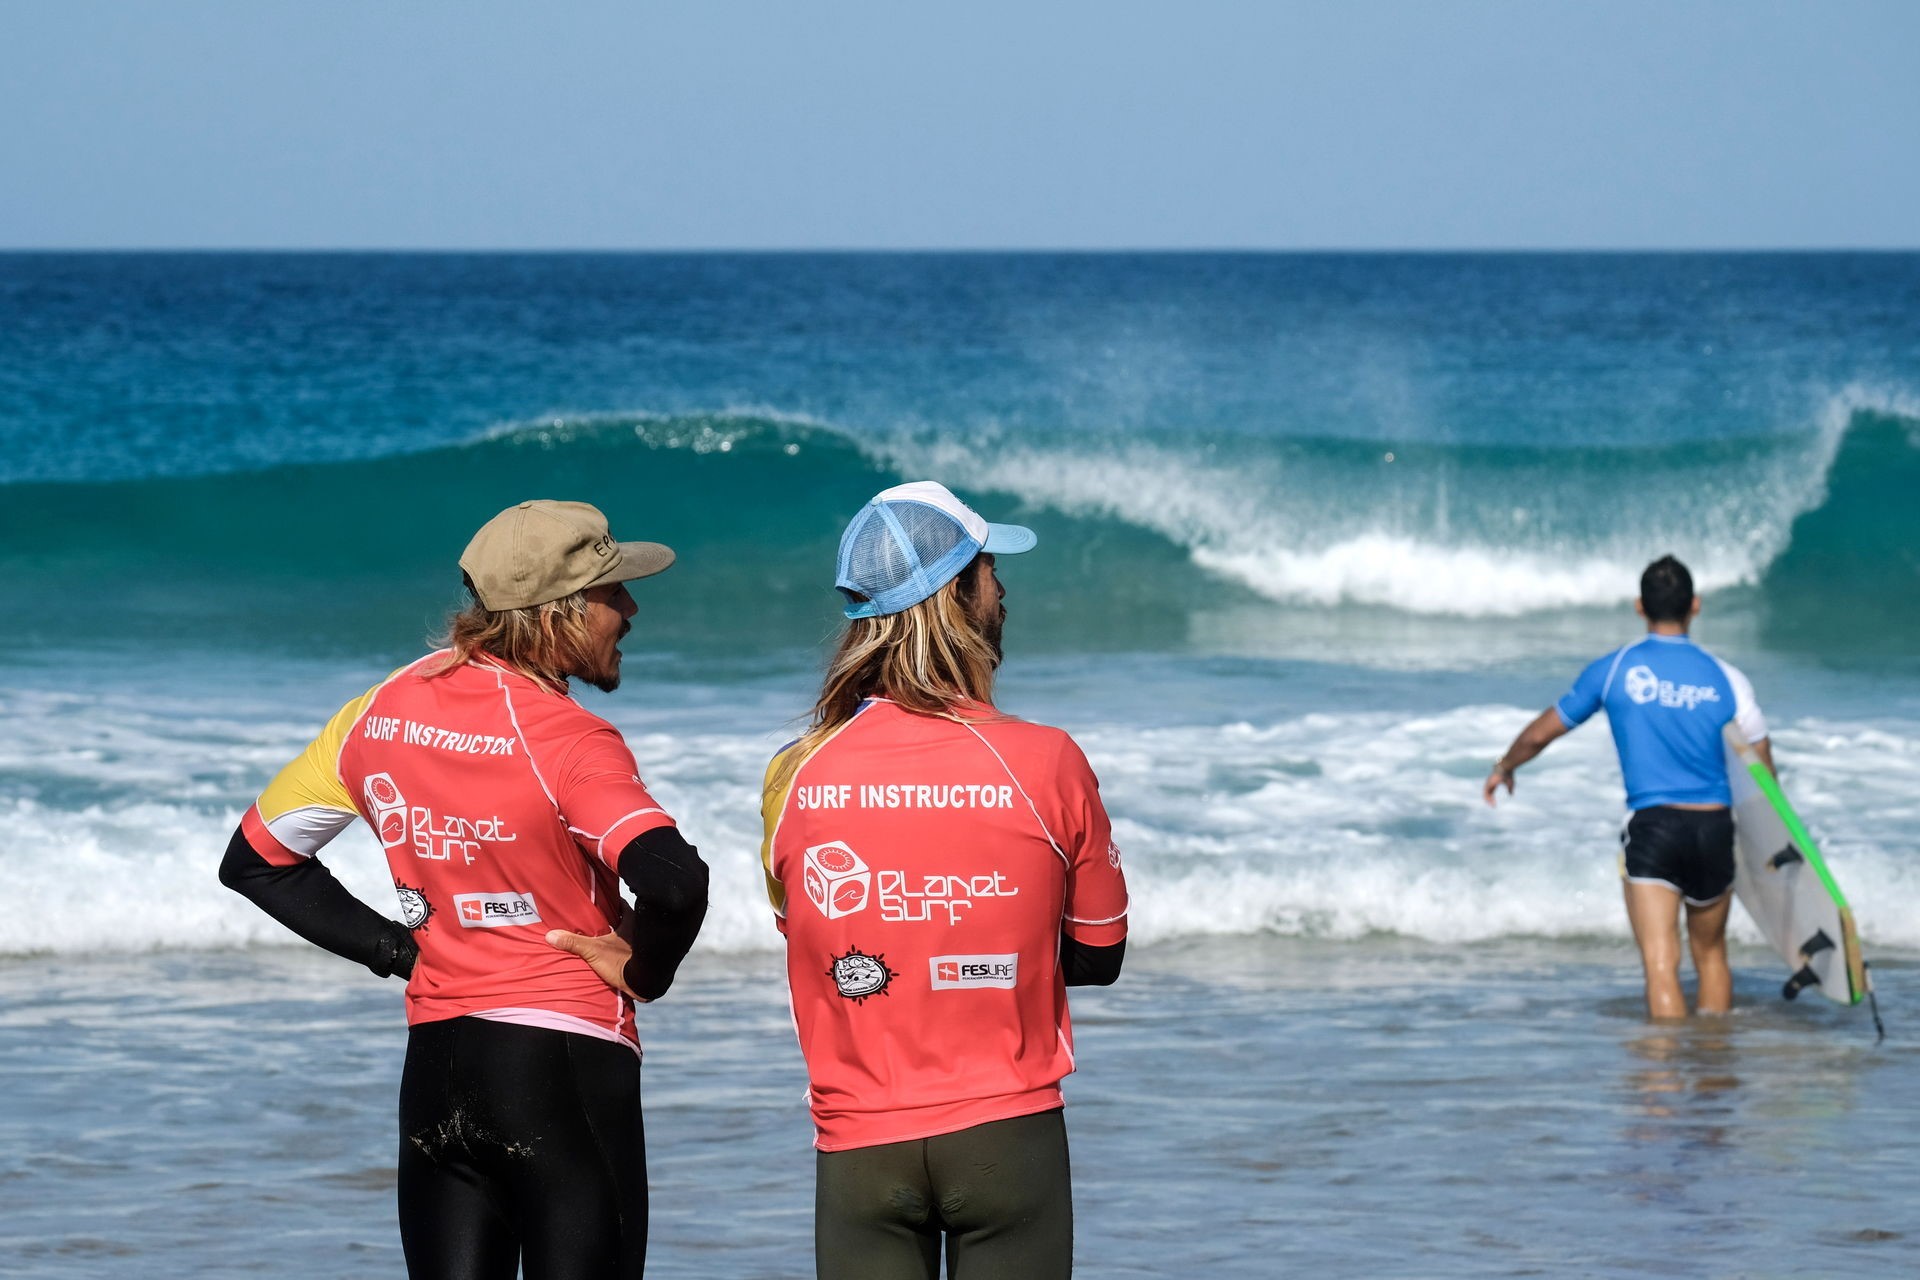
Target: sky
[994,124]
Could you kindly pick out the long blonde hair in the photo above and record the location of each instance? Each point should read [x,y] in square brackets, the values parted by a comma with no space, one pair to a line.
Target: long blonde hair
[928,659]
[545,642]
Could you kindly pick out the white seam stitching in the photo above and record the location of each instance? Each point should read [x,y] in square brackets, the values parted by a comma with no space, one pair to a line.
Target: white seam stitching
[773,836]
[1620,655]
[1031,807]
[514,716]
[372,694]
[600,846]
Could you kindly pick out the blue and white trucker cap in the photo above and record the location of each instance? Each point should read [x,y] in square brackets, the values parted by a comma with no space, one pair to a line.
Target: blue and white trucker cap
[909,542]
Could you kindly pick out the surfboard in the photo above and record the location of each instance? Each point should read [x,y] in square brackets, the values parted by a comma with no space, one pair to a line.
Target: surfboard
[1783,882]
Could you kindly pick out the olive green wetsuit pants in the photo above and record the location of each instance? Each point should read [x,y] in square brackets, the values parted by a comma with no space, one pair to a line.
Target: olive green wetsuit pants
[999,1192]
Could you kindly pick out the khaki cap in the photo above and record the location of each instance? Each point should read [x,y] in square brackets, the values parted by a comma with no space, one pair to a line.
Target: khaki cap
[542,550]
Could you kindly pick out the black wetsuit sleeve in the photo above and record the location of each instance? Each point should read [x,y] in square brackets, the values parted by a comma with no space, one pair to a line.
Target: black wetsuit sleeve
[1083,965]
[308,900]
[669,885]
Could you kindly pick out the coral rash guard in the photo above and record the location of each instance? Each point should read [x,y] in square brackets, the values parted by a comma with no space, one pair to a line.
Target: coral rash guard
[503,806]
[924,869]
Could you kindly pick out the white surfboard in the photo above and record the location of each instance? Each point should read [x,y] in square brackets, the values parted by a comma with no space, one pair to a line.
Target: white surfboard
[1782,881]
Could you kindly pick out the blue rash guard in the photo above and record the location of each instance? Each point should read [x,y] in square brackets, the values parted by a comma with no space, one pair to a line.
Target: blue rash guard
[1666,700]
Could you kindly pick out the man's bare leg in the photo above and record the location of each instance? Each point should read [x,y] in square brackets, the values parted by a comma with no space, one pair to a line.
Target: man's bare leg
[1707,939]
[1654,912]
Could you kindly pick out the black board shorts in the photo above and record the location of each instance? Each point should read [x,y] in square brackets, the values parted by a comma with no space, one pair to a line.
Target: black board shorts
[1688,850]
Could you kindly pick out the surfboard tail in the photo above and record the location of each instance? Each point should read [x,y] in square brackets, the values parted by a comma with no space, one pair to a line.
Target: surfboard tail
[1856,962]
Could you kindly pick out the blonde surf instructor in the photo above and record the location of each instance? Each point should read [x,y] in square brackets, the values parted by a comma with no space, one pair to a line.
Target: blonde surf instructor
[509,815]
[942,872]
[1667,700]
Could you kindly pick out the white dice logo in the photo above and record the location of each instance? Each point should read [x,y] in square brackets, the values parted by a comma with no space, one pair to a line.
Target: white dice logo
[389,809]
[837,879]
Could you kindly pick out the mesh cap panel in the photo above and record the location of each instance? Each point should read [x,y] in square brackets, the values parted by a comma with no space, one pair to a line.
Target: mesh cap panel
[909,542]
[899,553]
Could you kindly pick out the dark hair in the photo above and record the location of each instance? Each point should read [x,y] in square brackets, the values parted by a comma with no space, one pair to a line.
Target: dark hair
[1666,591]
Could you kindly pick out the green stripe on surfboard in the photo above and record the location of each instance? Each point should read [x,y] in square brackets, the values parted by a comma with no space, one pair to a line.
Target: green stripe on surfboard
[1770,786]
[1809,851]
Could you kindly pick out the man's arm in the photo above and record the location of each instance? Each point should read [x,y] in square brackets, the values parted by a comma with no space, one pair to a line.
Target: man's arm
[1532,741]
[668,881]
[308,900]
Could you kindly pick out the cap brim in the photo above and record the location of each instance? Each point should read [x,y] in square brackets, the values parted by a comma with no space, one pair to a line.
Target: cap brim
[1008,539]
[636,560]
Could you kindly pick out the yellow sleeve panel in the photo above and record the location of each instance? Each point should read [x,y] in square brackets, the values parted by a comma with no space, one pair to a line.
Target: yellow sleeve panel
[781,771]
[307,804]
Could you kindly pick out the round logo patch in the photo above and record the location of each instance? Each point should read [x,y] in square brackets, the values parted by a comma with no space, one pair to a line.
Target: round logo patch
[1642,684]
[858,975]
[382,790]
[414,907]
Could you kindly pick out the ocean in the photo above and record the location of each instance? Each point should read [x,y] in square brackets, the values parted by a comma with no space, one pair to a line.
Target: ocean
[1318,534]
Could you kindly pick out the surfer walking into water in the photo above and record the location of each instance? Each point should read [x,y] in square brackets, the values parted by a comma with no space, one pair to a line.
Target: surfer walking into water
[509,815]
[1667,701]
[942,872]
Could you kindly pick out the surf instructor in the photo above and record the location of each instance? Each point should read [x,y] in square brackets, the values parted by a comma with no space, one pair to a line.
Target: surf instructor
[941,872]
[1666,700]
[509,815]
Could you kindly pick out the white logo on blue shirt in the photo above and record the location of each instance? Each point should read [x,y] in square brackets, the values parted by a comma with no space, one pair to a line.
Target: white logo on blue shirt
[1644,686]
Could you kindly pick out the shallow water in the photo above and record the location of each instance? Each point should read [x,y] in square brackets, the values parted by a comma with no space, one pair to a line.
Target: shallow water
[1251,1108]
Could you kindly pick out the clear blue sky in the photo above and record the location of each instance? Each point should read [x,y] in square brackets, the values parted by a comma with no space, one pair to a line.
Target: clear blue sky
[988,124]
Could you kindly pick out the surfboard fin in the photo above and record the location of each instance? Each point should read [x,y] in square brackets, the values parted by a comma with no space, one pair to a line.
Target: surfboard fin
[1806,977]
[1785,858]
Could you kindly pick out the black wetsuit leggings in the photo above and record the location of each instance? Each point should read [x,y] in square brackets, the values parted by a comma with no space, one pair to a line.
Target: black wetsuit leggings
[520,1144]
[1000,1192]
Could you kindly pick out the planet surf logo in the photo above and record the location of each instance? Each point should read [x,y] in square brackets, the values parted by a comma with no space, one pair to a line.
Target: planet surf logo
[389,809]
[434,837]
[1643,687]
[838,880]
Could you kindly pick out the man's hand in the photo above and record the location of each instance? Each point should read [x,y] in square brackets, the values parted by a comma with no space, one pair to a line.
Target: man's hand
[607,954]
[1532,741]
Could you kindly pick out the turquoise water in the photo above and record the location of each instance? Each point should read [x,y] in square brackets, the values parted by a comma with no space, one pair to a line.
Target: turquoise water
[1317,535]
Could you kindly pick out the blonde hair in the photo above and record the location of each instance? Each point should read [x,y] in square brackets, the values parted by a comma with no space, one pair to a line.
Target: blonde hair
[928,659]
[545,642]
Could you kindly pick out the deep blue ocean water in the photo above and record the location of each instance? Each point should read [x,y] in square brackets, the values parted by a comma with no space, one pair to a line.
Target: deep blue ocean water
[1318,533]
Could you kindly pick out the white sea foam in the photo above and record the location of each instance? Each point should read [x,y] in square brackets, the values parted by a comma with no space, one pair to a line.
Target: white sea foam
[1335,825]
[1406,573]
[1487,545]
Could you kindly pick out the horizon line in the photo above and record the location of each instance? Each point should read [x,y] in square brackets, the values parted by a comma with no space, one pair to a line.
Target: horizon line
[959,250]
